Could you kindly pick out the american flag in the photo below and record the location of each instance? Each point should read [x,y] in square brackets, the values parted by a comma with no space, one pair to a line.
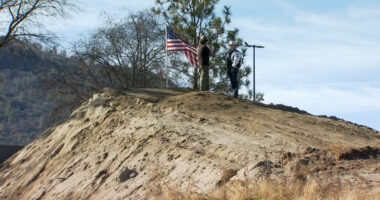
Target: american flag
[174,43]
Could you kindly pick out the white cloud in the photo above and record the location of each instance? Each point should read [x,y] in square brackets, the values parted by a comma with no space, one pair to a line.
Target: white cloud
[339,98]
[358,102]
[324,63]
[90,16]
[313,43]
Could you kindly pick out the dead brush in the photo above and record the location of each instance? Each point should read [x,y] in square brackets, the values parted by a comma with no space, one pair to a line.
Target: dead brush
[162,190]
[270,189]
[337,150]
[267,189]
[174,193]
[302,186]
[360,195]
[227,174]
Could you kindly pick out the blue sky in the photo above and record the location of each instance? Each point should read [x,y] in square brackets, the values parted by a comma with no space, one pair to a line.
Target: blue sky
[320,56]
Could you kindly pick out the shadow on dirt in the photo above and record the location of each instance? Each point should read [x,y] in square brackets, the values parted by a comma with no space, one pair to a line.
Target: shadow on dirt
[7,151]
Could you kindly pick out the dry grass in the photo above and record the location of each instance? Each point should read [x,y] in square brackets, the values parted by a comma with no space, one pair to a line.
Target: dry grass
[267,189]
[338,149]
[301,186]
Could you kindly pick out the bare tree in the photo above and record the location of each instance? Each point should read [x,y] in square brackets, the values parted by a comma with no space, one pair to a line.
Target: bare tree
[22,18]
[131,49]
[124,53]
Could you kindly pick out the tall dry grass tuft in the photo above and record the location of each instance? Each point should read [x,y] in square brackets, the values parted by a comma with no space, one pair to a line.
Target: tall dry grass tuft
[338,149]
[272,189]
[362,195]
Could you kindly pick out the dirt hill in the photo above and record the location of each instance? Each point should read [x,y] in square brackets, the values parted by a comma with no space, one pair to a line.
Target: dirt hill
[159,144]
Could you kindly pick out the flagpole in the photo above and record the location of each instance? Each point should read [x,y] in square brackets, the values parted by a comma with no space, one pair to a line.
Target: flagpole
[167,58]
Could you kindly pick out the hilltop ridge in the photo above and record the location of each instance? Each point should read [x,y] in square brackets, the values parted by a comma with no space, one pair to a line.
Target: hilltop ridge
[133,144]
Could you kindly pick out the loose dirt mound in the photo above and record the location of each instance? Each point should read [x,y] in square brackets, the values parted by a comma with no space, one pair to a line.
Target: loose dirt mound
[129,145]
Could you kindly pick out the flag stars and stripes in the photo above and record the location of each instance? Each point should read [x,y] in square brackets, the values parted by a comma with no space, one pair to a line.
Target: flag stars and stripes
[174,43]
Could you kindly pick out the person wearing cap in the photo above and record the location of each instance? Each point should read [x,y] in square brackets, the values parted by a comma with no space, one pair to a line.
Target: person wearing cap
[233,66]
[204,54]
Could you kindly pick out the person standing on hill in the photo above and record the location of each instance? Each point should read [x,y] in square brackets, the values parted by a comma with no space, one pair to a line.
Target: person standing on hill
[204,54]
[233,66]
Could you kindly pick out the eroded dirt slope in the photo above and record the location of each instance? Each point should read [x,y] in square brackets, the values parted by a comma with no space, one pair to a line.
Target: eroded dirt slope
[125,145]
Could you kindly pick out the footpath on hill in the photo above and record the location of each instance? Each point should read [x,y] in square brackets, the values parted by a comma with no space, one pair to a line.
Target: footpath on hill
[142,143]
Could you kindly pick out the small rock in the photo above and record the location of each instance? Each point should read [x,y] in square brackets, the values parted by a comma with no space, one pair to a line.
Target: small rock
[127,174]
[101,173]
[201,119]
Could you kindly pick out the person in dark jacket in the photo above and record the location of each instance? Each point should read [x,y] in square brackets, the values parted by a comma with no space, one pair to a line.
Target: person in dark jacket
[204,54]
[233,66]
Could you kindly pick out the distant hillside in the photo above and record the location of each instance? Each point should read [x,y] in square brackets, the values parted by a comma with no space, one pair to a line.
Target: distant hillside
[26,103]
[177,144]
[39,88]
